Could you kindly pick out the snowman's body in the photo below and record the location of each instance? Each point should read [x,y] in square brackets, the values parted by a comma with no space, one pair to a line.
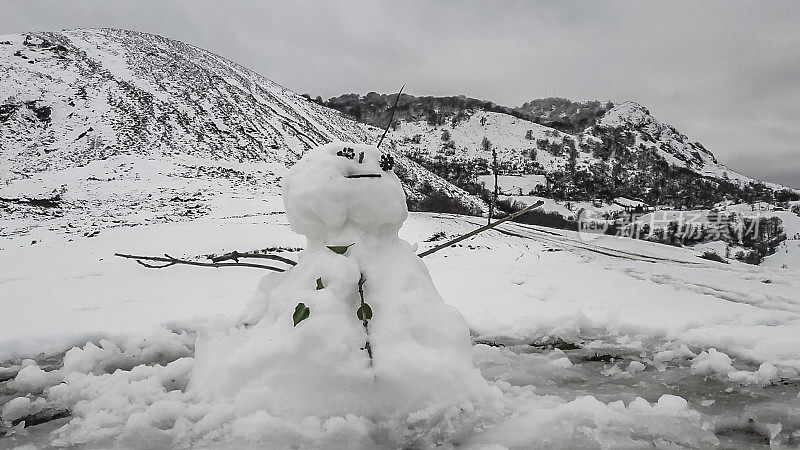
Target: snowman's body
[421,355]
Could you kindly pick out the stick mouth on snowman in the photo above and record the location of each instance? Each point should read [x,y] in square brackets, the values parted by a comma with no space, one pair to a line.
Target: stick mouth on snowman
[363,175]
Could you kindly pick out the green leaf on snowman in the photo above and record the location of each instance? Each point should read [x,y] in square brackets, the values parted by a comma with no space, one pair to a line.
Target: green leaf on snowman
[364,312]
[319,284]
[301,313]
[339,249]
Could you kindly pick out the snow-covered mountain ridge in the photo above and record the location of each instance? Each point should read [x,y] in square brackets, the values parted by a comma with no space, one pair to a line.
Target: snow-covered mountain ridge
[624,150]
[670,144]
[119,127]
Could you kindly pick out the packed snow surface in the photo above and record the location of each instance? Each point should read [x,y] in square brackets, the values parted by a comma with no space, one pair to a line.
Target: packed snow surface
[610,342]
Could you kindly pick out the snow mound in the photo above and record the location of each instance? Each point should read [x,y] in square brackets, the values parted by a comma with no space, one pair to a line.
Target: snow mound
[586,422]
[718,364]
[108,356]
[410,360]
[32,379]
[20,407]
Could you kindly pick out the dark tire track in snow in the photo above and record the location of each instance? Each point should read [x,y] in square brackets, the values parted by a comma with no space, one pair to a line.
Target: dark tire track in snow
[569,244]
[723,293]
[778,302]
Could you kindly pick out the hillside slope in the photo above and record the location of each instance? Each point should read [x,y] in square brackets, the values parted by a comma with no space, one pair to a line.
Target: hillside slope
[103,127]
[586,150]
[374,109]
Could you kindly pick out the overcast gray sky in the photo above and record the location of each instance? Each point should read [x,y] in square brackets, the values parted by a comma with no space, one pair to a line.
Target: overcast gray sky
[726,73]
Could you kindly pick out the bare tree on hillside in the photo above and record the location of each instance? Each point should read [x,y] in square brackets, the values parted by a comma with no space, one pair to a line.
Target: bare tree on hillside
[486,145]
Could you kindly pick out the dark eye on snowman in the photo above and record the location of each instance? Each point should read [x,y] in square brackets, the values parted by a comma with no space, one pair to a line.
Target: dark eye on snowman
[346,152]
[387,162]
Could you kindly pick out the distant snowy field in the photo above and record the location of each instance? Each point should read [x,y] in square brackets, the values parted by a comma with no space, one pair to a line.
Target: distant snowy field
[573,332]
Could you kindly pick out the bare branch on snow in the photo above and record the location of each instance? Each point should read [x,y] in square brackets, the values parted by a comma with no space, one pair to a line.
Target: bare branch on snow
[480,230]
[168,261]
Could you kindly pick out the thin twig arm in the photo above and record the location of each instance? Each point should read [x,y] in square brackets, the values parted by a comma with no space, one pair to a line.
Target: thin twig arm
[391,117]
[171,261]
[481,229]
[216,261]
[234,255]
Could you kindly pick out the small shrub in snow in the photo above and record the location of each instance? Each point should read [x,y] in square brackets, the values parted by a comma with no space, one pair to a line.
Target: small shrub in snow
[437,236]
[436,201]
[713,256]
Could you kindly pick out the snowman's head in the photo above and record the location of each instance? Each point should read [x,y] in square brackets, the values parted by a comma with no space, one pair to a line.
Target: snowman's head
[344,188]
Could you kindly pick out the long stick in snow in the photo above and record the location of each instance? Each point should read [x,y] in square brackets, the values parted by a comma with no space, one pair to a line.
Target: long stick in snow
[234,255]
[168,260]
[391,117]
[171,261]
[481,229]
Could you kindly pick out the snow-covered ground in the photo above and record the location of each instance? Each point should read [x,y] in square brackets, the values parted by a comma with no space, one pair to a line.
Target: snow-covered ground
[611,342]
[569,208]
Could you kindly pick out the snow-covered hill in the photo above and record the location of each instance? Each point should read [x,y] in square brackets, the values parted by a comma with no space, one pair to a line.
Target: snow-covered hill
[506,133]
[667,142]
[624,150]
[109,127]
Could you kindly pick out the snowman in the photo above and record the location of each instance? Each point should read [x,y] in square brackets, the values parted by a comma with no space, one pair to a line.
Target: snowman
[357,326]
